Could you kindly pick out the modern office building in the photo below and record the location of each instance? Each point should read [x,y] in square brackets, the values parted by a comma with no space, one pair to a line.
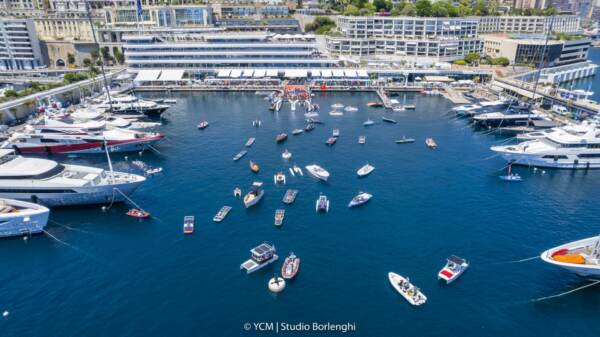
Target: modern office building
[19,45]
[529,24]
[532,49]
[405,37]
[223,50]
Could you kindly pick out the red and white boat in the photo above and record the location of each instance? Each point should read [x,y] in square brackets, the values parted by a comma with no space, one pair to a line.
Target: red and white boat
[80,142]
[290,267]
[454,267]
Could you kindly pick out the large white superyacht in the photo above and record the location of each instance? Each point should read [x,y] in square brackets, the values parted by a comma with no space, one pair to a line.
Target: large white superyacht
[49,183]
[559,148]
[21,218]
[581,257]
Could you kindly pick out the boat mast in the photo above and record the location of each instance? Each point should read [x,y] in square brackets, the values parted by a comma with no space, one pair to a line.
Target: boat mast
[106,86]
[540,67]
[110,167]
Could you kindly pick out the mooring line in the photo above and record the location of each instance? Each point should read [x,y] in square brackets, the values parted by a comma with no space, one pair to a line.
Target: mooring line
[73,247]
[70,228]
[519,261]
[566,292]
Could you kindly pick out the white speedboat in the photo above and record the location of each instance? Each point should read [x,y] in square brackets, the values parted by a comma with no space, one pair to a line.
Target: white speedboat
[558,149]
[368,122]
[350,109]
[49,183]
[317,172]
[360,199]
[454,267]
[365,170]
[335,113]
[335,133]
[337,106]
[581,257]
[254,195]
[21,218]
[408,290]
[311,114]
[260,256]
[286,154]
[362,140]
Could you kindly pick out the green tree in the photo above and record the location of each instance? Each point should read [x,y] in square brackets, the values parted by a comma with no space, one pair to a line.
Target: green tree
[551,11]
[502,61]
[409,10]
[472,58]
[87,62]
[94,54]
[11,93]
[480,8]
[351,10]
[382,5]
[70,58]
[423,7]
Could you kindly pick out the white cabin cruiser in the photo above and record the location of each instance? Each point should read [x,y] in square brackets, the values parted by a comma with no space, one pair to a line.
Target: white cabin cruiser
[560,148]
[52,184]
[21,218]
[454,267]
[365,170]
[317,172]
[581,257]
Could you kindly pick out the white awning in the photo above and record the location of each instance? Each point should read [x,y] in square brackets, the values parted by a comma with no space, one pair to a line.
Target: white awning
[338,73]
[171,75]
[147,75]
[362,73]
[258,73]
[295,73]
[224,73]
[350,73]
[315,73]
[248,73]
[272,73]
[236,73]
[326,73]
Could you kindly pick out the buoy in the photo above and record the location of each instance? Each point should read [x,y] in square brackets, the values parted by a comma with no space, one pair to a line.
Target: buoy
[25,238]
[276,284]
[140,153]
[5,313]
[126,158]
[543,172]
[103,208]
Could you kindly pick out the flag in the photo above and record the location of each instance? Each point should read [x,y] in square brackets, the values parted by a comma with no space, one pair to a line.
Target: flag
[138,4]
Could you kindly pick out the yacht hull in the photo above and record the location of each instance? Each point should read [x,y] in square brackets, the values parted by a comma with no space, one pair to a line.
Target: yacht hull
[88,195]
[571,162]
[586,270]
[91,147]
[29,221]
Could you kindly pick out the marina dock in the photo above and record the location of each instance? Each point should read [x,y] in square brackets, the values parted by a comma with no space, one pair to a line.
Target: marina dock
[454,96]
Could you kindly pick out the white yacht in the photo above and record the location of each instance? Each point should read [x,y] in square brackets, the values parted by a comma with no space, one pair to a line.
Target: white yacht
[558,149]
[129,104]
[581,257]
[52,184]
[575,129]
[318,172]
[21,218]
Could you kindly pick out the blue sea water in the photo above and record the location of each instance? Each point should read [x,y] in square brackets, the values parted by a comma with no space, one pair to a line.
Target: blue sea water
[111,275]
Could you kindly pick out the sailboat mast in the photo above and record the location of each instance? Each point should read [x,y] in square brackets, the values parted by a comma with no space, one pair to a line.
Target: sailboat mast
[540,67]
[106,86]
[110,167]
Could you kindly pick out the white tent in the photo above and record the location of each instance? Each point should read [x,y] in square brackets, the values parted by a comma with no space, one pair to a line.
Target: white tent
[338,73]
[259,73]
[248,73]
[224,73]
[147,75]
[296,73]
[326,73]
[315,73]
[272,73]
[350,73]
[171,75]
[362,73]
[236,73]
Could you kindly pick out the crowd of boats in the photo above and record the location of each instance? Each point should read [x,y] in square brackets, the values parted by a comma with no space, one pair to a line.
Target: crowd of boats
[103,124]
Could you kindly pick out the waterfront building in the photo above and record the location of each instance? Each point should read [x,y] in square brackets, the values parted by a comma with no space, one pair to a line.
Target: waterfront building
[529,24]
[528,49]
[210,51]
[19,45]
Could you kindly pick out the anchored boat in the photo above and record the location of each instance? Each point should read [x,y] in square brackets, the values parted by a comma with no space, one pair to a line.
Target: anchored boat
[290,267]
[250,141]
[331,141]
[511,176]
[203,125]
[362,140]
[279,215]
[260,256]
[279,178]
[454,267]
[220,216]
[581,257]
[188,224]
[286,154]
[290,196]
[317,172]
[21,218]
[409,291]
[281,138]
[254,195]
[240,155]
[322,204]
[360,199]
[368,122]
[254,167]
[405,140]
[365,170]
[431,143]
[388,120]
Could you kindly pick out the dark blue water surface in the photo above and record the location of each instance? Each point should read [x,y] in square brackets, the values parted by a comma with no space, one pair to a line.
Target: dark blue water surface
[115,276]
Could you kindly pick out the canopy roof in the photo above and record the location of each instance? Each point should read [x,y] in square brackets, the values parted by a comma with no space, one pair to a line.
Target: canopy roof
[147,75]
[171,75]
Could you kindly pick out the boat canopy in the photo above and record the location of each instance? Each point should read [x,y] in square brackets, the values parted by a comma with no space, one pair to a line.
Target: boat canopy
[147,75]
[236,73]
[432,78]
[338,73]
[456,259]
[262,250]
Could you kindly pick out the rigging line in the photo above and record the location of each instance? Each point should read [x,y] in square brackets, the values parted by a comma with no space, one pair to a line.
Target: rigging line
[154,149]
[115,189]
[566,292]
[519,261]
[73,247]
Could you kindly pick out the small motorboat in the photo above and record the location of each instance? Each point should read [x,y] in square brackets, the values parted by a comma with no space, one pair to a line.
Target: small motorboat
[298,170]
[256,123]
[203,125]
[365,170]
[250,141]
[335,113]
[254,195]
[322,204]
[311,114]
[388,120]
[281,138]
[431,143]
[360,199]
[331,141]
[222,214]
[309,127]
[405,140]
[409,291]
[317,172]
[286,154]
[279,178]
[368,122]
[290,267]
[290,196]
[335,133]
[362,140]
[337,106]
[279,215]
[399,108]
[254,167]
[454,267]
[237,192]
[138,213]
[511,176]
[188,224]
[410,107]
[375,104]
[170,101]
[350,109]
[296,132]
[240,155]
